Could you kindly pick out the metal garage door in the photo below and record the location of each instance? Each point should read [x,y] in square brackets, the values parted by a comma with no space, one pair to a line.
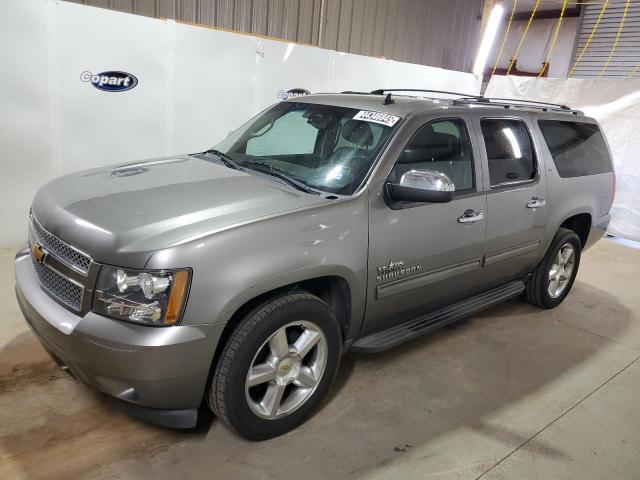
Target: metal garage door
[597,55]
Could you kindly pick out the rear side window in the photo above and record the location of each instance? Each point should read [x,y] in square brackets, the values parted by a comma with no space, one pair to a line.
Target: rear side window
[509,151]
[577,148]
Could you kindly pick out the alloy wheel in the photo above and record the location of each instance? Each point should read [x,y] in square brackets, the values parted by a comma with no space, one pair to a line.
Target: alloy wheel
[561,270]
[286,370]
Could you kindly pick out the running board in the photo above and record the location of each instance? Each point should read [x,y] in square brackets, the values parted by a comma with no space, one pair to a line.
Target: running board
[385,339]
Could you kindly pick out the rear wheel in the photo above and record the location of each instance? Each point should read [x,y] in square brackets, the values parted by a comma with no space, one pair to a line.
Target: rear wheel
[276,367]
[551,281]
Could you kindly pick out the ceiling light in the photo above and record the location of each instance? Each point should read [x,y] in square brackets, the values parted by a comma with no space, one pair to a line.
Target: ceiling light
[488,38]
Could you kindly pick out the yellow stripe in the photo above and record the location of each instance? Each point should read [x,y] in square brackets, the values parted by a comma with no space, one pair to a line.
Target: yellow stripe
[545,65]
[633,72]
[586,45]
[615,42]
[515,56]
[506,34]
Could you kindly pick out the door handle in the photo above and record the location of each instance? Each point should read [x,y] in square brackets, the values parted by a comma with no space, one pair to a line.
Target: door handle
[470,216]
[536,202]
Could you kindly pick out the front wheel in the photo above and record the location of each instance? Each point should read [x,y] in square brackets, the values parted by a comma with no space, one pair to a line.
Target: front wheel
[276,367]
[552,279]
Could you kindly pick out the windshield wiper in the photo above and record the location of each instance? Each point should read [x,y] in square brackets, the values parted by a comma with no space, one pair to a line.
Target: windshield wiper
[226,159]
[265,168]
[269,170]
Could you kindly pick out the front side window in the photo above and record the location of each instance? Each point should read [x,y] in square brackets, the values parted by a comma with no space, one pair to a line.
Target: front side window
[509,151]
[322,146]
[577,148]
[442,146]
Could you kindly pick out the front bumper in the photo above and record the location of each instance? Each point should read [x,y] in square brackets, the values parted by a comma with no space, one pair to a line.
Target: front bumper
[159,373]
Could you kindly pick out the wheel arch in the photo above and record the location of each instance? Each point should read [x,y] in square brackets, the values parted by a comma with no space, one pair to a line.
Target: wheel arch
[580,223]
[332,289]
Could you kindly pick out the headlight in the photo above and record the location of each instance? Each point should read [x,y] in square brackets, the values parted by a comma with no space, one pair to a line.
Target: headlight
[149,297]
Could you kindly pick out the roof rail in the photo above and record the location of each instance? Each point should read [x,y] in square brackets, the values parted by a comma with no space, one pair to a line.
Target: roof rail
[519,101]
[466,99]
[382,91]
[514,102]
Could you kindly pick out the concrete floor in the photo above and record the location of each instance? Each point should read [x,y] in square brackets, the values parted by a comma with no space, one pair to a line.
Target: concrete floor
[516,392]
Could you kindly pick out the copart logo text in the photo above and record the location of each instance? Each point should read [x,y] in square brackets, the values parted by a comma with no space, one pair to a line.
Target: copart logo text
[111,81]
[294,92]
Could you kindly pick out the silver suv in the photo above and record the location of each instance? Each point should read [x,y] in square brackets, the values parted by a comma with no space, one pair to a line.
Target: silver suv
[327,223]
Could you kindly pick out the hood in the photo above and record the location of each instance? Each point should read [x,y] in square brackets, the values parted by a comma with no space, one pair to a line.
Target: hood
[121,215]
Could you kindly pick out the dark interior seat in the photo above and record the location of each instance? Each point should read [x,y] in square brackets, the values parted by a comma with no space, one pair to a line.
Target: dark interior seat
[360,135]
[442,152]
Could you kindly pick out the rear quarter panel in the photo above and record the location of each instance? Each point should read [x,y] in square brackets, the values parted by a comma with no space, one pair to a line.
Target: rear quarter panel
[570,196]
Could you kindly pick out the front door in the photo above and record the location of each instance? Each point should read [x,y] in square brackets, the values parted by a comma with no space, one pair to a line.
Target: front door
[423,255]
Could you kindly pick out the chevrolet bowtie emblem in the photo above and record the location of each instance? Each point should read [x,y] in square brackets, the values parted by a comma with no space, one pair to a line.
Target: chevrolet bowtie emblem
[37,252]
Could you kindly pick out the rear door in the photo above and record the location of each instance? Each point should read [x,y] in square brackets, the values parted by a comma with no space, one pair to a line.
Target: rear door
[516,196]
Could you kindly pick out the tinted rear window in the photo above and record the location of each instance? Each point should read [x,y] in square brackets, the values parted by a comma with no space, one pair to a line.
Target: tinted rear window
[509,151]
[577,148]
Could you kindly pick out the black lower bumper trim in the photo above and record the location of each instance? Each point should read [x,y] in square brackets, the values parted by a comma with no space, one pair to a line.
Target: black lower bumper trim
[163,418]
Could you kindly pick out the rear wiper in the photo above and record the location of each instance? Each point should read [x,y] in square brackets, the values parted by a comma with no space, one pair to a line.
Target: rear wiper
[226,159]
[269,170]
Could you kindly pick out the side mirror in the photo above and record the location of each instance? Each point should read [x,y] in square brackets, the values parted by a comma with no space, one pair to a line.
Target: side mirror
[423,186]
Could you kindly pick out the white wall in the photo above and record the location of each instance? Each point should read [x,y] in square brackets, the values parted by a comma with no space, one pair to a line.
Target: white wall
[616,105]
[195,85]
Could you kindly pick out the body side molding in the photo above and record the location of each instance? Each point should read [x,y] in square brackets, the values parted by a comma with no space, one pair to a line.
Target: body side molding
[426,278]
[511,252]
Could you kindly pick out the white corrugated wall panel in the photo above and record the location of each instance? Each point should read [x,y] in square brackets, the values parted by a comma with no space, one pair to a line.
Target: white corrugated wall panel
[440,33]
[627,53]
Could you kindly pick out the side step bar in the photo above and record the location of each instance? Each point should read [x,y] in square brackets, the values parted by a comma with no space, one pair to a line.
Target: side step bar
[391,337]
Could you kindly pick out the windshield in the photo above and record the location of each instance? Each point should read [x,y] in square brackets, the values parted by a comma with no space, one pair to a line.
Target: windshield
[321,146]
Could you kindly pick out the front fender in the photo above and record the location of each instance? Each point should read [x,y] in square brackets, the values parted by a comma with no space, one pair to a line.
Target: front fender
[233,266]
[291,277]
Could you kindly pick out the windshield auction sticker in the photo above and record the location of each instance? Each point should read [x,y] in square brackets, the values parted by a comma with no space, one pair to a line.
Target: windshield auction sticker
[377,117]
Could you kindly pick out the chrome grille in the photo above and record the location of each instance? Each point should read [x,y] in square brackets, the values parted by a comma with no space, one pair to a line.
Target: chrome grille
[66,253]
[62,289]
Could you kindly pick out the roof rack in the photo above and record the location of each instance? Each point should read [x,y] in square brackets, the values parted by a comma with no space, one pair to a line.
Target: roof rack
[514,102]
[382,91]
[466,99]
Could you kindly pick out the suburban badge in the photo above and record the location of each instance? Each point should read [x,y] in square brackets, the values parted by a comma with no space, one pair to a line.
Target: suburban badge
[394,269]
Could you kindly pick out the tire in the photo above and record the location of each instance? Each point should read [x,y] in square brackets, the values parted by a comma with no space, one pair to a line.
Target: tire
[299,377]
[538,290]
